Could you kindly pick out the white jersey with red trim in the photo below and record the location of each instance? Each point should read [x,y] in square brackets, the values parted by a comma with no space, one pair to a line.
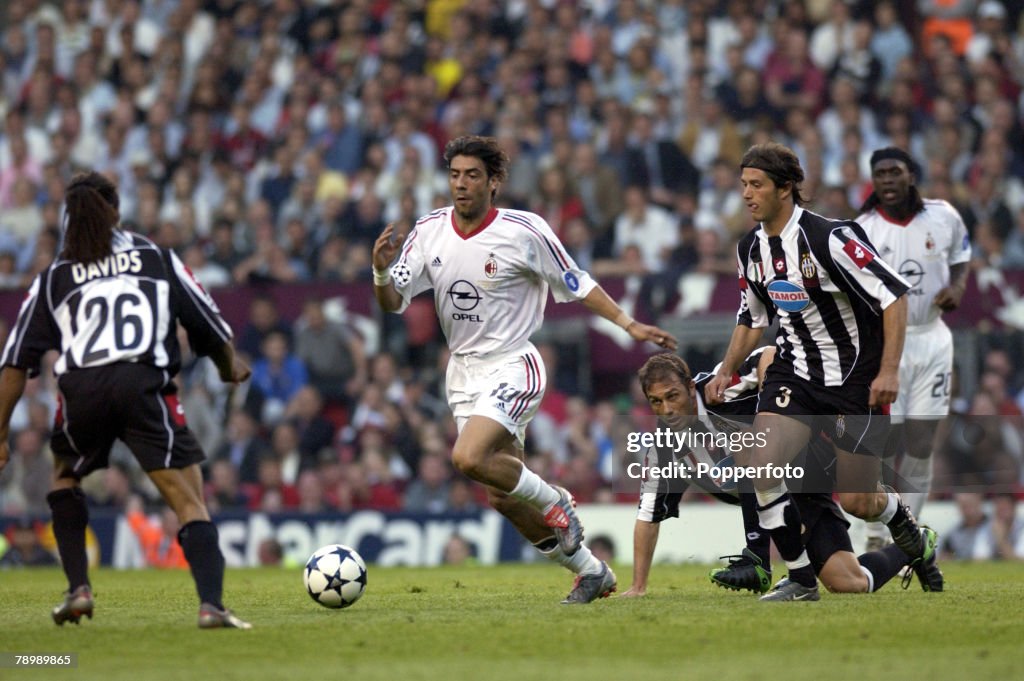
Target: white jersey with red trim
[922,250]
[490,287]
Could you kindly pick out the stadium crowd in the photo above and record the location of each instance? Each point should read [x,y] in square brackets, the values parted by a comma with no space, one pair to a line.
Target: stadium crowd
[271,141]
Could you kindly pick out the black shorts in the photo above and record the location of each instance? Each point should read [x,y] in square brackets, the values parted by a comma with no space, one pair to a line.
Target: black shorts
[135,403]
[825,528]
[840,413]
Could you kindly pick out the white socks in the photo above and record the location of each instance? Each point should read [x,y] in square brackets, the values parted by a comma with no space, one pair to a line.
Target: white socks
[583,562]
[871,578]
[532,489]
[892,502]
[917,473]
[769,516]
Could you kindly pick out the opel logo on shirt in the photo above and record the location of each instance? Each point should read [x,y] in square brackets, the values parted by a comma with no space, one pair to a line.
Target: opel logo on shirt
[464,295]
[912,271]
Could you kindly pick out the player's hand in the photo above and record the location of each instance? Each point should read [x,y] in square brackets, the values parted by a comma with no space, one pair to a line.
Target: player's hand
[714,391]
[949,298]
[240,371]
[645,332]
[884,388]
[633,592]
[386,246]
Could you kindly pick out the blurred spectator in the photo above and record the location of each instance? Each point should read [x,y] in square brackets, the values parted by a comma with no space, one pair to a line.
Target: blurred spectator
[963,542]
[890,42]
[458,551]
[460,496]
[333,354]
[657,164]
[270,553]
[277,375]
[1004,533]
[25,482]
[555,200]
[384,374]
[790,77]
[598,187]
[990,36]
[158,538]
[648,227]
[305,413]
[284,446]
[243,447]
[720,205]
[24,548]
[224,492]
[264,317]
[950,19]
[602,547]
[271,494]
[311,493]
[429,492]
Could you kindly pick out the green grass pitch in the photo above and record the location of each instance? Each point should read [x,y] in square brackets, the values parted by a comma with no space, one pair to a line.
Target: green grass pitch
[506,623]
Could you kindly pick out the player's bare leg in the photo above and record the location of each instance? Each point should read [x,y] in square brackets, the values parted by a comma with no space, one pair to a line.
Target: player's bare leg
[594,578]
[857,476]
[483,453]
[844,575]
[182,489]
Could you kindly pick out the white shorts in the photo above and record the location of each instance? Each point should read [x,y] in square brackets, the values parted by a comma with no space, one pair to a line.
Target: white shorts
[926,370]
[507,389]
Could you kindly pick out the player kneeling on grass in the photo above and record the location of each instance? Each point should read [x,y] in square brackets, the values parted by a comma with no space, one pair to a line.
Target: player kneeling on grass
[110,305]
[676,398]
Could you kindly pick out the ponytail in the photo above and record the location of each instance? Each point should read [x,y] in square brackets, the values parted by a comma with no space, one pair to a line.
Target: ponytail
[91,202]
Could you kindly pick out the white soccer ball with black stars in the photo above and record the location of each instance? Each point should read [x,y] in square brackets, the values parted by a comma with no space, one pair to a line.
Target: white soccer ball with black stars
[335,576]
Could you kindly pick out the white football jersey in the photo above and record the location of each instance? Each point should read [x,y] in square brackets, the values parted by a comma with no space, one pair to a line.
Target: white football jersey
[922,250]
[490,287]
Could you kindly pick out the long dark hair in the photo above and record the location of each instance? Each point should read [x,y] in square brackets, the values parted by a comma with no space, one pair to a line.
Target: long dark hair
[779,163]
[92,214]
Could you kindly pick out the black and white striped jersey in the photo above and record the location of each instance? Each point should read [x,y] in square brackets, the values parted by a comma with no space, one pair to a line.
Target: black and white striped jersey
[123,308]
[828,286]
[659,498]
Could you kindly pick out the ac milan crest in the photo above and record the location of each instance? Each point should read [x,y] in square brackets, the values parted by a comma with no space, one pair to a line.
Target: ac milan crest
[491,267]
[929,242]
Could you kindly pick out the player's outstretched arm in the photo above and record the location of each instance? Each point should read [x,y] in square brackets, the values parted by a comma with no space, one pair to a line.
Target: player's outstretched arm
[600,303]
[12,385]
[385,248]
[744,340]
[645,538]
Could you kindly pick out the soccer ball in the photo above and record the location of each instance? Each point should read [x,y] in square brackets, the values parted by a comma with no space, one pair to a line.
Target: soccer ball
[335,576]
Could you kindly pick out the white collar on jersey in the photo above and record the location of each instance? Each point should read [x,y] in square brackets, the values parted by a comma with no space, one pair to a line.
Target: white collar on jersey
[790,227]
